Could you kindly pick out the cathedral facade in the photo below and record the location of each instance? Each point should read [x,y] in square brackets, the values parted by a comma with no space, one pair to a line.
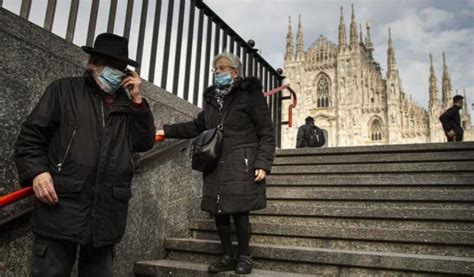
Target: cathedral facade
[343,88]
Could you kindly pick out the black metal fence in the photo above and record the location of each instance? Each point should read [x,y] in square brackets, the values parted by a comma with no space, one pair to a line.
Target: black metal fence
[181,68]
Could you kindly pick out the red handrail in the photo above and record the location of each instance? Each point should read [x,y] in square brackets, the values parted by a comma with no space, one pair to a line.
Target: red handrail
[293,102]
[15,196]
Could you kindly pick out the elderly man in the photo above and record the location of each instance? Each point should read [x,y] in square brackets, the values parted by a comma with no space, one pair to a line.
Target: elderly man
[75,149]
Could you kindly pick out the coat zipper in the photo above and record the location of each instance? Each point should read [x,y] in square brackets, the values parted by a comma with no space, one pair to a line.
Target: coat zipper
[103,116]
[217,203]
[246,161]
[60,165]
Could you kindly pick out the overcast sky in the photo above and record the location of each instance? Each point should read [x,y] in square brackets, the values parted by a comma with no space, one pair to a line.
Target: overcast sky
[419,27]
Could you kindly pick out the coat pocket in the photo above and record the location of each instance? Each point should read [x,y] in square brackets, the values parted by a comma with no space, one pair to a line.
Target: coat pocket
[39,260]
[250,154]
[65,185]
[117,214]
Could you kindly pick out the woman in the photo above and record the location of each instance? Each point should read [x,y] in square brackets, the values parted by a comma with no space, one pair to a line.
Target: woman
[237,185]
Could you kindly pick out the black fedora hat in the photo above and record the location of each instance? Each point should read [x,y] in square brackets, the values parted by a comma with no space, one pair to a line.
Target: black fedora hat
[113,46]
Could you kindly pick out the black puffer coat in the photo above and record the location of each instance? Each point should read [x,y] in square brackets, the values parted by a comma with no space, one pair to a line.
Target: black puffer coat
[249,144]
[89,156]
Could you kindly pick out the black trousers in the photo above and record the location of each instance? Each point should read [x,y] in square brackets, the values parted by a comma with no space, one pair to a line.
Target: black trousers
[56,258]
[242,229]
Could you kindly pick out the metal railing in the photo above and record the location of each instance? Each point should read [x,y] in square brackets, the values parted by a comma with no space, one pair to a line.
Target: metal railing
[186,70]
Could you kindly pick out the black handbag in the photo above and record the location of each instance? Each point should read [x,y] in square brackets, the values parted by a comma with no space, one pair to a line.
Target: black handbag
[206,148]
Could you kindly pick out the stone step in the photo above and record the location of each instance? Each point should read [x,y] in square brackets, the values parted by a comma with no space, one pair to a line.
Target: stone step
[192,269]
[374,179]
[414,149]
[428,236]
[363,212]
[372,194]
[378,158]
[370,204]
[401,168]
[342,239]
[359,245]
[376,223]
[297,256]
[292,267]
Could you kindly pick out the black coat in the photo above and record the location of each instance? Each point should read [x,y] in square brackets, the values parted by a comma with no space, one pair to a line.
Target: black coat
[249,144]
[89,155]
[303,136]
[451,120]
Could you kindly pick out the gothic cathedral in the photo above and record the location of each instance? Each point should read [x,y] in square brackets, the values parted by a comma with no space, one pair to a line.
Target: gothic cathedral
[343,88]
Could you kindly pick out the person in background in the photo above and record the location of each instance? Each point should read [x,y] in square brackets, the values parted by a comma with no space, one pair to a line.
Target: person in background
[310,135]
[451,120]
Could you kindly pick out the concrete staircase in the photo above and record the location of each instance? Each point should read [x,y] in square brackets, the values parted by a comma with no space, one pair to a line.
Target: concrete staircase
[380,210]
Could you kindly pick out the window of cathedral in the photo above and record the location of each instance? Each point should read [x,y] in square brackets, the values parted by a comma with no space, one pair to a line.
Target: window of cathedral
[376,130]
[323,92]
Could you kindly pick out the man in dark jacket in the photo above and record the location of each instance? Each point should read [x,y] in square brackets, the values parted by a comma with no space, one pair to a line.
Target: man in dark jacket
[75,149]
[451,120]
[309,135]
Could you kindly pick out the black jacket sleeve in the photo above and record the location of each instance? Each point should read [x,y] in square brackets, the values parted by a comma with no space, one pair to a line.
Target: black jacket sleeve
[184,130]
[446,118]
[266,137]
[32,143]
[142,127]
[300,138]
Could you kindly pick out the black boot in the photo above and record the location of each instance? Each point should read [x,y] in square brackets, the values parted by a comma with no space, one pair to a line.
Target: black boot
[244,265]
[223,263]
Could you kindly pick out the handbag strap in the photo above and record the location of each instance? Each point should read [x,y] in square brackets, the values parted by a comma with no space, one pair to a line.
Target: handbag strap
[221,124]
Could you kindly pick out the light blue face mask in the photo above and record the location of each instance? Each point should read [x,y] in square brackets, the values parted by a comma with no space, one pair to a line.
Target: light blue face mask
[223,79]
[111,78]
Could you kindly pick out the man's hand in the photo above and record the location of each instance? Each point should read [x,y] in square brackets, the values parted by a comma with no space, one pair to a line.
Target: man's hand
[451,133]
[133,83]
[260,174]
[44,188]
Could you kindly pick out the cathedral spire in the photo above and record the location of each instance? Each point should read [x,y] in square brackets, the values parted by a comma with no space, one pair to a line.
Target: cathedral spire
[353,35]
[446,88]
[361,36]
[289,42]
[391,62]
[342,32]
[299,41]
[368,39]
[465,108]
[466,113]
[433,90]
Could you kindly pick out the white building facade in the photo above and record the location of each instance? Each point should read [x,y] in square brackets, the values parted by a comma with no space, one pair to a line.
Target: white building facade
[343,88]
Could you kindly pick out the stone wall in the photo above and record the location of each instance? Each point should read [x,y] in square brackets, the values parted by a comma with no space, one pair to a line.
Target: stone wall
[166,193]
